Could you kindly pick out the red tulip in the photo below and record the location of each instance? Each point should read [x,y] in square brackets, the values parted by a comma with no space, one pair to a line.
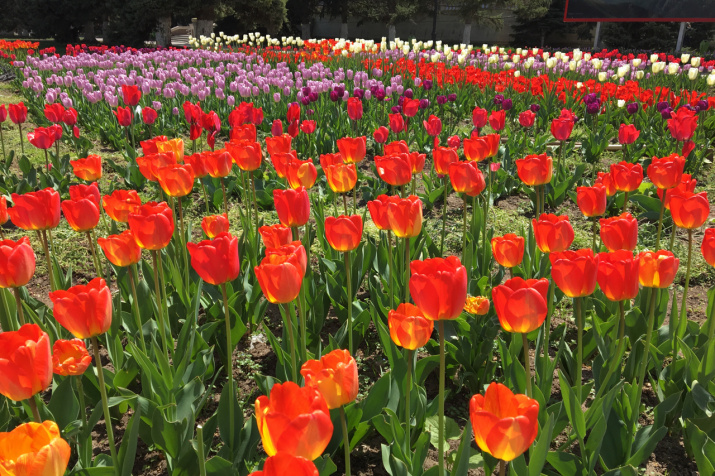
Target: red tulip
[397,123]
[574,272]
[197,164]
[439,287]
[280,161]
[192,112]
[292,206]
[216,261]
[124,116]
[395,170]
[335,376]
[41,137]
[153,225]
[36,210]
[176,180]
[355,108]
[687,184]
[70,357]
[17,263]
[293,113]
[290,249]
[618,275]
[285,463]
[553,233]
[666,172]
[243,132]
[121,250]
[433,125]
[409,328]
[89,168]
[3,113]
[307,127]
[619,233]
[82,215]
[410,107]
[247,155]
[417,161]
[504,424]
[561,127]
[17,112]
[508,250]
[301,173]
[54,112]
[344,232]
[657,269]
[404,216]
[4,217]
[120,204]
[497,120]
[591,200]
[454,142]
[627,134]
[381,134]
[277,128]
[606,179]
[481,147]
[535,169]
[149,164]
[352,149]
[443,157]
[689,210]
[527,118]
[280,274]
[341,178]
[627,177]
[708,246]
[25,364]
[275,236]
[149,115]
[466,178]
[218,163]
[278,144]
[378,210]
[70,117]
[521,305]
[479,117]
[84,310]
[396,147]
[131,95]
[682,124]
[293,129]
[150,146]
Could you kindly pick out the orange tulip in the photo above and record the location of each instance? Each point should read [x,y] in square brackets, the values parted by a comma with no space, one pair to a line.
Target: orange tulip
[121,250]
[213,225]
[34,449]
[591,200]
[687,184]
[216,261]
[466,178]
[477,305]
[657,269]
[405,216]
[17,263]
[91,191]
[439,287]
[294,420]
[89,168]
[25,362]
[82,215]
[508,250]
[292,206]
[3,211]
[535,169]
[417,161]
[352,149]
[275,236]
[341,177]
[689,210]
[443,157]
[247,155]
[708,246]
[553,233]
[666,172]
[70,357]
[482,147]
[409,328]
[284,463]
[280,275]
[150,146]
[120,204]
[619,233]
[396,147]
[176,180]
[36,210]
[626,176]
[196,161]
[301,173]
[378,210]
[574,272]
[344,232]
[153,225]
[618,274]
[280,161]
[293,248]
[218,163]
[84,310]
[521,305]
[335,375]
[606,179]
[149,164]
[244,132]
[395,170]
[278,144]
[172,146]
[504,424]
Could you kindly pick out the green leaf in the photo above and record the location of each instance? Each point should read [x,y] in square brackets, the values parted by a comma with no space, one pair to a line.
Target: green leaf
[128,450]
[566,464]
[451,429]
[573,408]
[703,448]
[218,466]
[540,450]
[461,465]
[63,404]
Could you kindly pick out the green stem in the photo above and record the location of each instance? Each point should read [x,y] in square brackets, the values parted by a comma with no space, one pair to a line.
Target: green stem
[444,216]
[289,325]
[345,203]
[47,162]
[255,205]
[579,351]
[660,221]
[202,451]
[105,405]
[97,266]
[206,198]
[46,249]
[407,270]
[82,404]
[350,301]
[22,143]
[18,305]
[135,309]
[159,303]
[2,141]
[672,238]
[35,412]
[683,303]
[408,392]
[593,235]
[225,202]
[711,323]
[390,270]
[616,361]
[346,439]
[464,236]
[527,364]
[642,371]
[6,323]
[229,364]
[440,421]
[625,203]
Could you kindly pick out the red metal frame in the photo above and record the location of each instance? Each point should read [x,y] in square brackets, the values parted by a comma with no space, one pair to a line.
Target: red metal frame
[699,20]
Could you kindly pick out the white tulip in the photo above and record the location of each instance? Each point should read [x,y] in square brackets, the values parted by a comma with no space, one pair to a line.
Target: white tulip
[602,76]
[710,79]
[684,58]
[623,70]
[517,73]
[695,61]
[673,68]
[636,62]
[654,58]
[693,74]
[586,56]
[639,74]
[621,103]
[577,54]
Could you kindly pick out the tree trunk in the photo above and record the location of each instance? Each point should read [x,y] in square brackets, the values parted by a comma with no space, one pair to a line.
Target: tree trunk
[89,35]
[205,21]
[163,31]
[344,31]
[467,34]
[390,33]
[543,37]
[344,20]
[305,31]
[435,12]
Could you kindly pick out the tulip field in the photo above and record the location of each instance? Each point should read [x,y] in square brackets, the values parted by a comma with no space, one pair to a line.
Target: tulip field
[256,256]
